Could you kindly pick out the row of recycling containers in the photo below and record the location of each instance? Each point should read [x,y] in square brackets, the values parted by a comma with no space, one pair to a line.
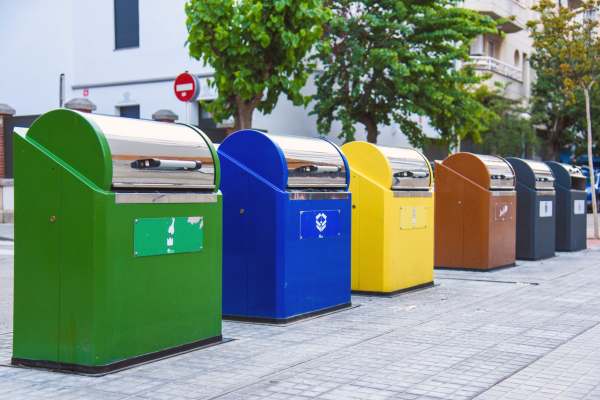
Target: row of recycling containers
[133,237]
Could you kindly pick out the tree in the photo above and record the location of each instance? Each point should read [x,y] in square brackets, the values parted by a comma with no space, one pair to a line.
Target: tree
[257,49]
[388,60]
[572,39]
[510,132]
[555,117]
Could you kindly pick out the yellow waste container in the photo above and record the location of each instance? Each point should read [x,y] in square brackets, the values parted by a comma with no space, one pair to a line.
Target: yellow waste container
[392,218]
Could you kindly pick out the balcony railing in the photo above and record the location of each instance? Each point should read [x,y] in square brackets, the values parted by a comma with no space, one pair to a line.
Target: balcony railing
[485,63]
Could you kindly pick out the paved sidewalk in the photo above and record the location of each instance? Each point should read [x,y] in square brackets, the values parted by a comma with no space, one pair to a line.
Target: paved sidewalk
[532,331]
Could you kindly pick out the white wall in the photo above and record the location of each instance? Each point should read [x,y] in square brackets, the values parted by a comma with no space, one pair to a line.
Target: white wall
[77,38]
[37,43]
[8,198]
[162,51]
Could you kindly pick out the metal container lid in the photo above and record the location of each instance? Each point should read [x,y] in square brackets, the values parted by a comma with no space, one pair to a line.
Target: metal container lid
[544,179]
[568,176]
[311,162]
[532,174]
[501,173]
[490,172]
[149,154]
[410,169]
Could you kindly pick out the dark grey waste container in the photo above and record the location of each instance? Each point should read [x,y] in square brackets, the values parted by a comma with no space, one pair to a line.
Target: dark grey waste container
[569,183]
[536,205]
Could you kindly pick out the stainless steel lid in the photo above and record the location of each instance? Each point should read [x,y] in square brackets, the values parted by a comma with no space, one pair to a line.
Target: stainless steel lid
[311,162]
[501,174]
[544,179]
[148,154]
[574,171]
[578,179]
[410,169]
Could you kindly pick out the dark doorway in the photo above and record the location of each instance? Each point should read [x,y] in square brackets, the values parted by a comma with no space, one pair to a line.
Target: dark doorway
[130,111]
[10,123]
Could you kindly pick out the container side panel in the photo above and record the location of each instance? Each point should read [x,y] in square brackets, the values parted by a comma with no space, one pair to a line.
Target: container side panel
[564,208]
[317,270]
[526,218]
[368,160]
[577,221]
[356,250]
[410,247]
[502,231]
[70,136]
[163,301]
[545,226]
[476,229]
[262,249]
[36,264]
[449,217]
[236,238]
[470,166]
[77,224]
[368,263]
[255,151]
[250,248]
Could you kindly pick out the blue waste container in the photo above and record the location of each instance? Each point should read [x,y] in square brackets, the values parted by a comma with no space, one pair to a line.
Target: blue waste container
[286,227]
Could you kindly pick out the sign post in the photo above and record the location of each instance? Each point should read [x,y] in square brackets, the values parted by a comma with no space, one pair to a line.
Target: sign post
[187,89]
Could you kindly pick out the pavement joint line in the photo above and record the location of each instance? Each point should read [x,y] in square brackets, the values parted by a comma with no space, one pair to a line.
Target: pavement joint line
[365,340]
[491,281]
[291,366]
[576,313]
[564,342]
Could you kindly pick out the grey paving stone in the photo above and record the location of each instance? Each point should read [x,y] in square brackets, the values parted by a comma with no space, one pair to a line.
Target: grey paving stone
[489,336]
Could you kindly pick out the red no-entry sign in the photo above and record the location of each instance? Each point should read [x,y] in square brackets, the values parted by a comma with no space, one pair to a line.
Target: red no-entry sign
[186,87]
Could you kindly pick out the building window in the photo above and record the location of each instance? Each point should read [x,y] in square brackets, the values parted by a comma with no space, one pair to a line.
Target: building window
[129,111]
[517,58]
[127,24]
[491,48]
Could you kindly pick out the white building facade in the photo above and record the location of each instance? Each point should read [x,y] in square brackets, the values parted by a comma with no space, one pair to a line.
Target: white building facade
[123,55]
[78,40]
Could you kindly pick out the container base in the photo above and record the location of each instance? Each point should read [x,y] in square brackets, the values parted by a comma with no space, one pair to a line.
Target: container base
[571,250]
[283,321]
[476,269]
[395,292]
[100,370]
[536,258]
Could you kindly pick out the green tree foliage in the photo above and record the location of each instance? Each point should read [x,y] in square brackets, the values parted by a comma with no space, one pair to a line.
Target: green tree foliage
[571,40]
[388,60]
[510,132]
[550,111]
[578,140]
[257,49]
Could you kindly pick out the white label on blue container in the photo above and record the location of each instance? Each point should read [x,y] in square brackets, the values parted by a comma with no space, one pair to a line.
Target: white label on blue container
[578,207]
[545,209]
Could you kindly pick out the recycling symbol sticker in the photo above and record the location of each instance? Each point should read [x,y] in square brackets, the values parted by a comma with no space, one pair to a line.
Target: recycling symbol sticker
[320,224]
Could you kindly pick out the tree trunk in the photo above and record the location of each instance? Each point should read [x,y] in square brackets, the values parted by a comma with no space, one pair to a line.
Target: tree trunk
[458,141]
[549,150]
[371,126]
[243,116]
[588,120]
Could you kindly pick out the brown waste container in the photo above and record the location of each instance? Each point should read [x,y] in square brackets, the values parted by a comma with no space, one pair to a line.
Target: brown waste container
[475,212]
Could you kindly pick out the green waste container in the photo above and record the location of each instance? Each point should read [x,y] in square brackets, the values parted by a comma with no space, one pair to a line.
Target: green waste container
[118,231]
